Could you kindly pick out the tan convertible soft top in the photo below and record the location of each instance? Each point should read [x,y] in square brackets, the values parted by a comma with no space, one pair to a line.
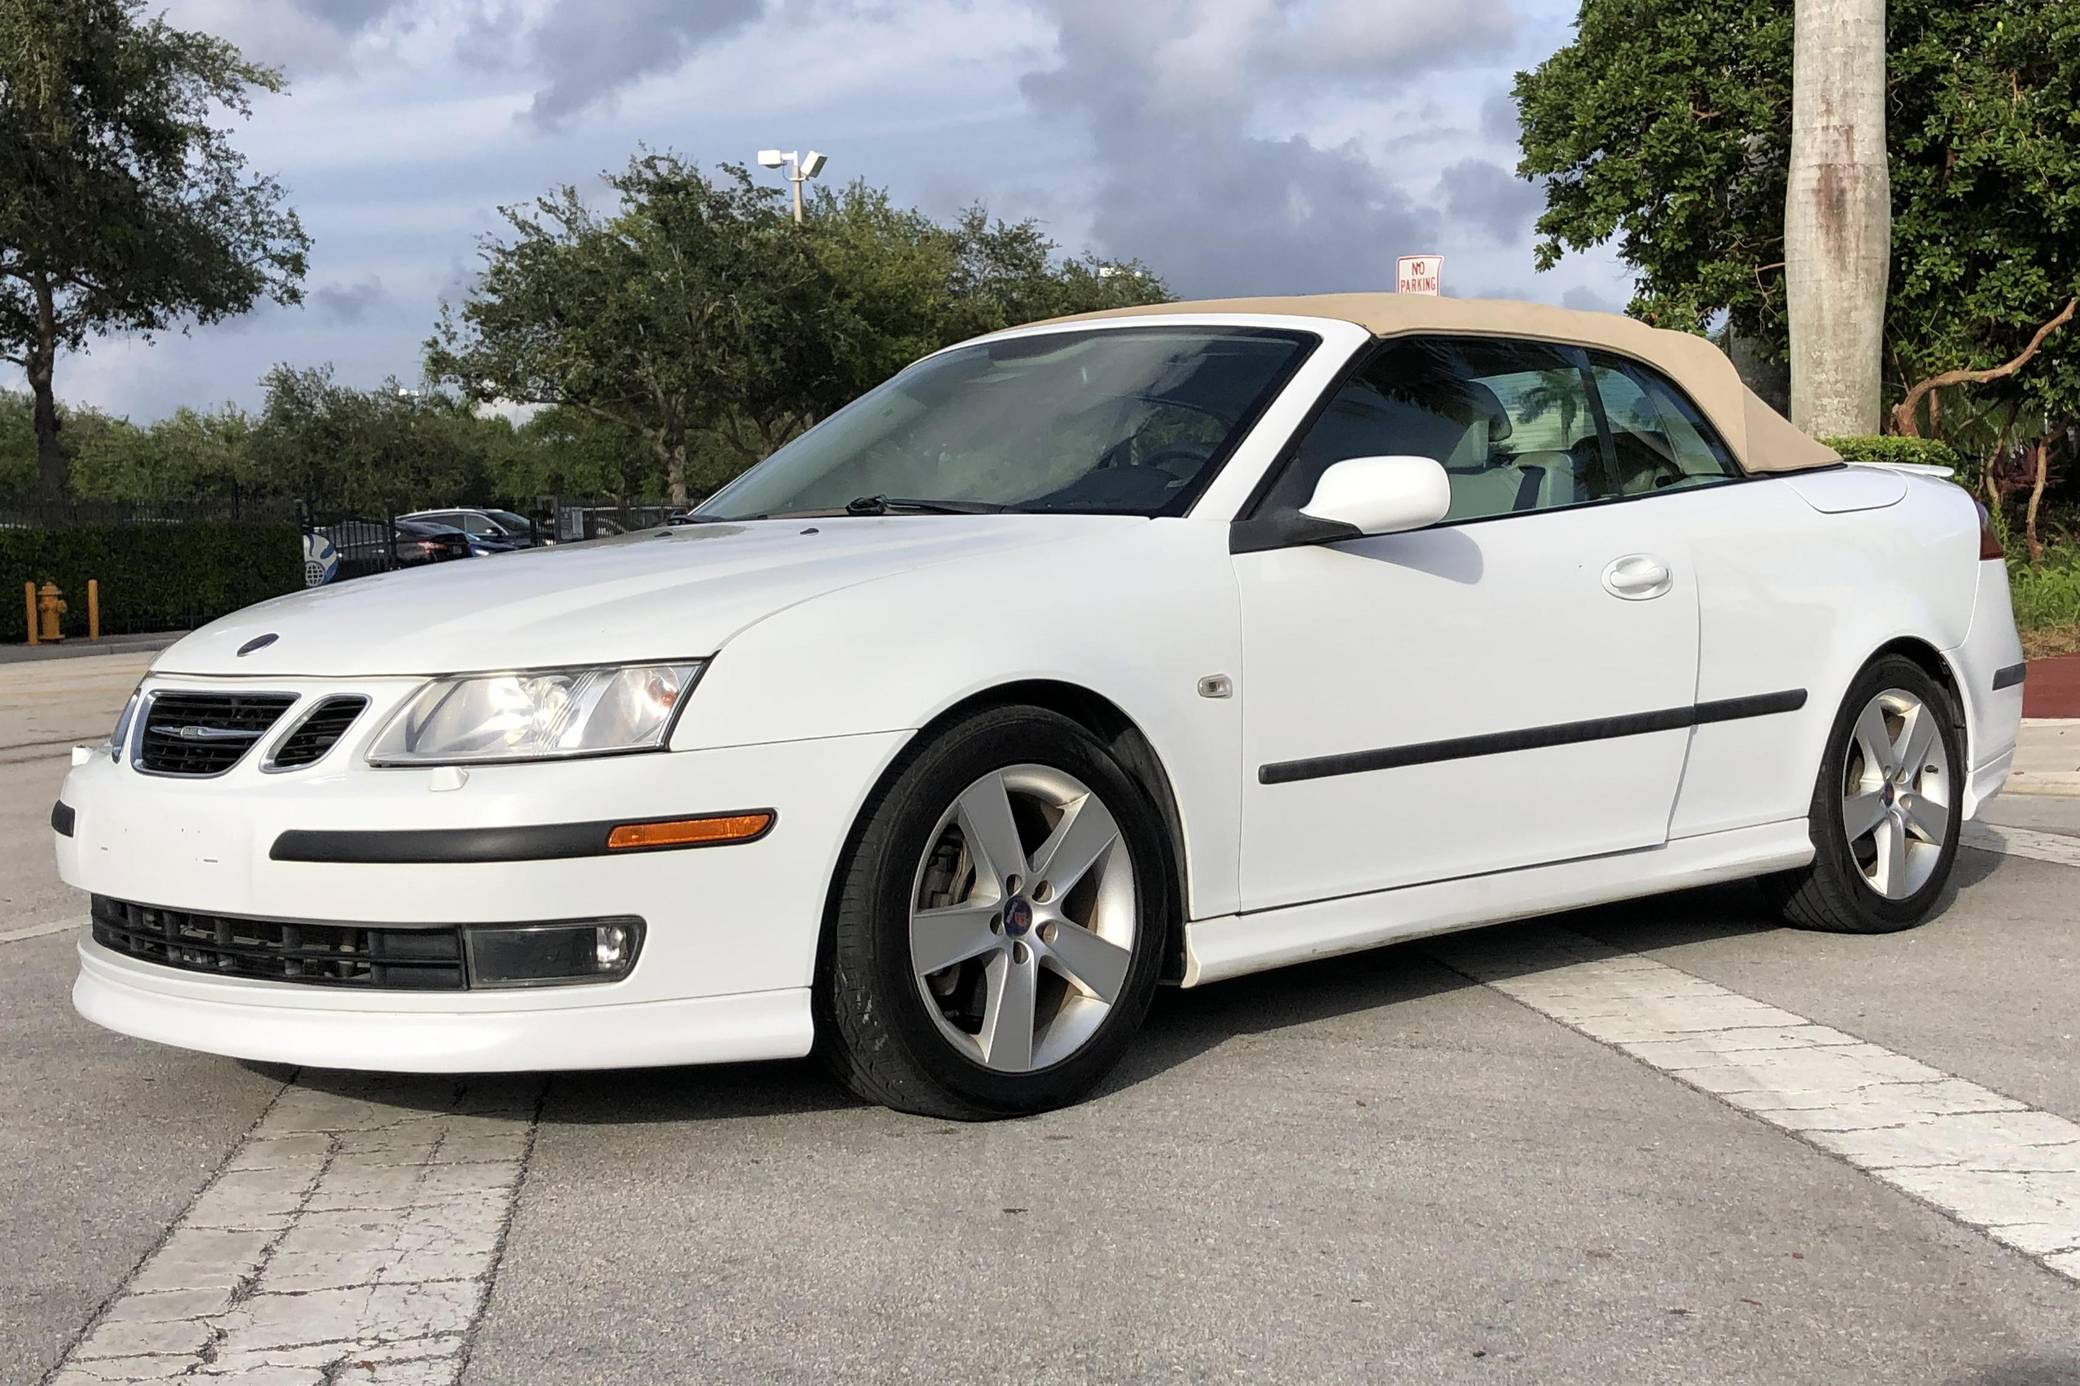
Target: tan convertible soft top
[1763,439]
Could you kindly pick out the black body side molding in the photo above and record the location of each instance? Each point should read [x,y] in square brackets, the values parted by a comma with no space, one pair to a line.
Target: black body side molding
[1532,738]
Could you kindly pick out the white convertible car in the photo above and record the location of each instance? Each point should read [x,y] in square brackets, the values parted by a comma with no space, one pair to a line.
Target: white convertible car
[1169,644]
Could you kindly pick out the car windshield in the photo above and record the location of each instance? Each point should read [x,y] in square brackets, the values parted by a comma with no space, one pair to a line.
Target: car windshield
[516,523]
[1125,421]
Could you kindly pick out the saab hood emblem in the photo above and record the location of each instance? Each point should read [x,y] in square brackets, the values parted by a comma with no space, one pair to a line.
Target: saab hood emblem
[258,642]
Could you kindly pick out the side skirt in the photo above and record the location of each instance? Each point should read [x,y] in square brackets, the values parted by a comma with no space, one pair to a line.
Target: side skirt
[1237,944]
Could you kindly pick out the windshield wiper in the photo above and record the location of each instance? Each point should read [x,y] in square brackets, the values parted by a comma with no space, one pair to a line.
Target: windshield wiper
[883,505]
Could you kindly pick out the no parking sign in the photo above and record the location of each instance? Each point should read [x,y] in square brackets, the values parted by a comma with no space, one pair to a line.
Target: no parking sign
[1418,274]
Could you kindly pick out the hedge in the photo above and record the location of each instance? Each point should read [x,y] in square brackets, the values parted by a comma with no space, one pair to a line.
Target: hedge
[153,576]
[1924,452]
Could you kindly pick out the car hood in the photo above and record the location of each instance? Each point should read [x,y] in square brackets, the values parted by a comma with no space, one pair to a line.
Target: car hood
[656,594]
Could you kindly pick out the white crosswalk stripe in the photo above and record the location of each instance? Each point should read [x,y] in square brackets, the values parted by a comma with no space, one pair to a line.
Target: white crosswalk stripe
[1981,1157]
[351,1238]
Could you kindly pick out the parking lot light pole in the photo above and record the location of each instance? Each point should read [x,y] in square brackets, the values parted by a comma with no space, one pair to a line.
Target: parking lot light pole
[800,169]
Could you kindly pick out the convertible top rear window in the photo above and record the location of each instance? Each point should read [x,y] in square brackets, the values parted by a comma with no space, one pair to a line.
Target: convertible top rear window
[1129,421]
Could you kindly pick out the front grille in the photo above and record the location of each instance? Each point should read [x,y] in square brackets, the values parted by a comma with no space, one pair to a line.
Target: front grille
[205,733]
[321,727]
[340,955]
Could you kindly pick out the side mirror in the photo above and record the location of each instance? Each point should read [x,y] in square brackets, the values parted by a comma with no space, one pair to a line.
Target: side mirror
[1381,495]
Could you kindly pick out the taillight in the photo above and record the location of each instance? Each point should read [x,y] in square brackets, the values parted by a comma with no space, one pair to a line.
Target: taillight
[1989,542]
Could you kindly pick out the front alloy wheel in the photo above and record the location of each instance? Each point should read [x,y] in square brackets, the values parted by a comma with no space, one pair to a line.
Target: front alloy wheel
[1021,950]
[998,925]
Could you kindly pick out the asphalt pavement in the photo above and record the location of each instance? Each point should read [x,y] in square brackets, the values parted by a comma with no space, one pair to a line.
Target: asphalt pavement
[1480,1159]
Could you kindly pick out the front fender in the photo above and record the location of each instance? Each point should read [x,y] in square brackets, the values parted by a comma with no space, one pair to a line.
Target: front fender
[1137,618]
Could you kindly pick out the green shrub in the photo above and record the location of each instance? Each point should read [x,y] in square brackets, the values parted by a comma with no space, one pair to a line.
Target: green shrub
[2046,597]
[1922,452]
[153,576]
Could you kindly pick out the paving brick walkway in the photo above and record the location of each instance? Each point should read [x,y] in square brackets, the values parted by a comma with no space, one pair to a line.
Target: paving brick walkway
[2053,687]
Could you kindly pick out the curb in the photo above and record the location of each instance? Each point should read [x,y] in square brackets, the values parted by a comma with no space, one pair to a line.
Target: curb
[2023,782]
[2048,757]
[117,645]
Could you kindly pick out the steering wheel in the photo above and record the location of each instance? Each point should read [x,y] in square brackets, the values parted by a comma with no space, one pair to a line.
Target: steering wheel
[1167,459]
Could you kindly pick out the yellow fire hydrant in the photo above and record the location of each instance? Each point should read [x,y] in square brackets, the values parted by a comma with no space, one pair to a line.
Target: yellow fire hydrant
[50,605]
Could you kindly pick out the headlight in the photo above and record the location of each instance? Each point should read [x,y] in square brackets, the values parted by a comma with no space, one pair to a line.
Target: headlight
[120,737]
[540,714]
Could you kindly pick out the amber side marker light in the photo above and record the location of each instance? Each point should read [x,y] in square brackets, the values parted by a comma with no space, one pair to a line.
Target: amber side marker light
[711,831]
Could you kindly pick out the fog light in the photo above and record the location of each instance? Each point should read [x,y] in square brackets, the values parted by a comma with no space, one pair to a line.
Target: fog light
[611,946]
[532,955]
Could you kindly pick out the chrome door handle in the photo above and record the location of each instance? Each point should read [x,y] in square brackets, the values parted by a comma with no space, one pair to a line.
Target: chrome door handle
[1637,577]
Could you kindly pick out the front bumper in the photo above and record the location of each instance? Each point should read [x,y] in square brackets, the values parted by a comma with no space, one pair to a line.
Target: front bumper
[730,931]
[258,1020]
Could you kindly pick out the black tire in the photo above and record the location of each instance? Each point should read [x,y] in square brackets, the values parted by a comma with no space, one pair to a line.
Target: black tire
[874,1029]
[1831,892]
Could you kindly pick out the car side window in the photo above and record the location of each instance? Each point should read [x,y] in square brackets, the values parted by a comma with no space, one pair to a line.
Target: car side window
[1659,439]
[476,524]
[1510,421]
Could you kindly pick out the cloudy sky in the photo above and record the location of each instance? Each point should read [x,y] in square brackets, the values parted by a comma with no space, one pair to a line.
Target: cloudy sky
[1237,146]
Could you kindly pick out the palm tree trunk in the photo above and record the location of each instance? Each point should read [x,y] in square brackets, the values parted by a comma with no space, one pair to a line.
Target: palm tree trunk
[1837,216]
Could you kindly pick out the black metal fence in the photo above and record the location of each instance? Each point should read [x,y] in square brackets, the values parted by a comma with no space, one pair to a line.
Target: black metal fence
[344,543]
[170,565]
[572,518]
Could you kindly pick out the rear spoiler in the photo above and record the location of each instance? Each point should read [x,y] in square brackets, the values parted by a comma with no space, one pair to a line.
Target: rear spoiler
[1914,468]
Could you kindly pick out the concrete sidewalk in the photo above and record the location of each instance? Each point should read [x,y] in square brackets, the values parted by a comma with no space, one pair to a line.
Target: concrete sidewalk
[75,649]
[2047,758]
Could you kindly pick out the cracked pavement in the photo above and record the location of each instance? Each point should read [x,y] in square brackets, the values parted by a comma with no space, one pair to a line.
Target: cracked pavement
[1666,1141]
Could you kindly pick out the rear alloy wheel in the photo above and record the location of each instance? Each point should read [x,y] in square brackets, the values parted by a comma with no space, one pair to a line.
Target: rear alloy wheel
[1896,789]
[1887,809]
[997,931]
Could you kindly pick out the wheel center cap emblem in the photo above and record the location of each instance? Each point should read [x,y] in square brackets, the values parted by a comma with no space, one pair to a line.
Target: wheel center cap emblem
[1887,796]
[1018,917]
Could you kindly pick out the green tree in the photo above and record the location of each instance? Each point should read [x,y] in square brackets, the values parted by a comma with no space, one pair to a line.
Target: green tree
[191,455]
[654,317]
[697,316]
[1681,162]
[123,205]
[17,444]
[371,450]
[570,452]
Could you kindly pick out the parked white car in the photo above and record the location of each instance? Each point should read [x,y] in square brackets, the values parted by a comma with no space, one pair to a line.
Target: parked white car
[1170,644]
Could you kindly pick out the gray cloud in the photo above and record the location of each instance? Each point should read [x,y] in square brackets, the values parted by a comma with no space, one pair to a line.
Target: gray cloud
[1485,195]
[1166,88]
[1589,300]
[301,36]
[1499,117]
[348,303]
[589,51]
[348,16]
